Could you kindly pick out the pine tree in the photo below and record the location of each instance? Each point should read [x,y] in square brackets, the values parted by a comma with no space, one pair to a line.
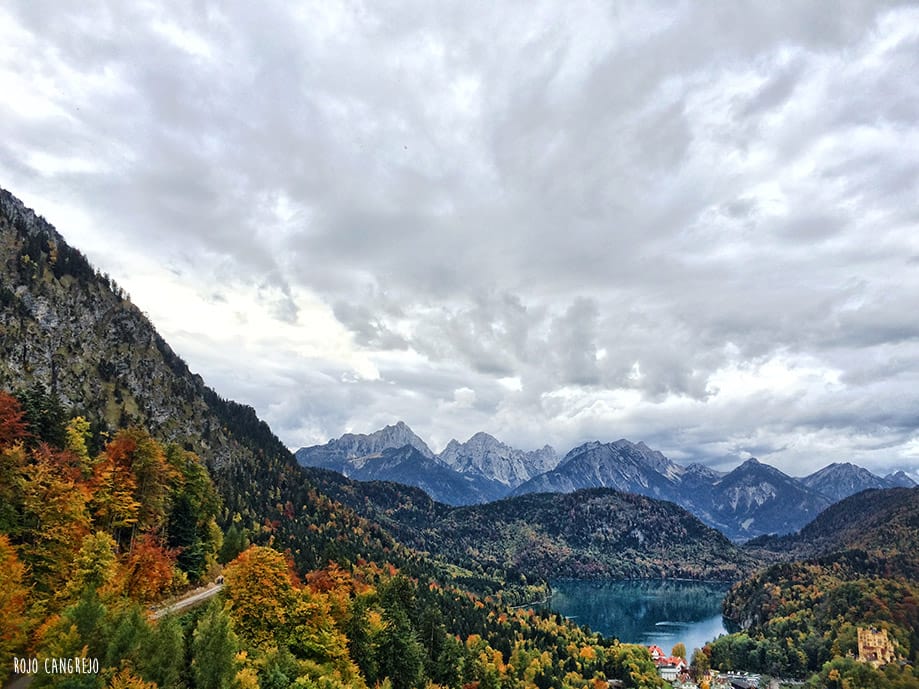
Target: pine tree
[164,657]
[129,638]
[214,647]
[400,656]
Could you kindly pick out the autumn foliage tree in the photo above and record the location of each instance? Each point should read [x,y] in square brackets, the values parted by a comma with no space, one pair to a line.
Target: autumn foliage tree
[95,567]
[54,518]
[13,593]
[260,594]
[13,427]
[149,569]
[113,485]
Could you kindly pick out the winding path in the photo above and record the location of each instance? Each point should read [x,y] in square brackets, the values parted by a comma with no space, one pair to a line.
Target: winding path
[186,602]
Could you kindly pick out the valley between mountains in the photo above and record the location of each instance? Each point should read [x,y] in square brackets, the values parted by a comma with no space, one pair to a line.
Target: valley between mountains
[370,560]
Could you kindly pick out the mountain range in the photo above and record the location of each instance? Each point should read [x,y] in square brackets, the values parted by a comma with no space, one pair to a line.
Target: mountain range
[590,533]
[751,500]
[480,470]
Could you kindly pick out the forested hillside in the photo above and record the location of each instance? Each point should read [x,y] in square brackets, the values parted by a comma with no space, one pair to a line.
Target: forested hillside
[86,540]
[73,341]
[598,533]
[881,521]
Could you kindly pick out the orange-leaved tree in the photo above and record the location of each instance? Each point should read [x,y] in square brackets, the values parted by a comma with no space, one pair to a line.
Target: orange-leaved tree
[13,428]
[113,484]
[54,518]
[149,569]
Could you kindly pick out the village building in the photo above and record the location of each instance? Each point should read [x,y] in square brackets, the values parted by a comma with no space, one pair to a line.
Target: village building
[669,667]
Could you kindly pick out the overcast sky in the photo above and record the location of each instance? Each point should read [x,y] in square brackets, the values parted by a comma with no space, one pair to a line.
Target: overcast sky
[693,224]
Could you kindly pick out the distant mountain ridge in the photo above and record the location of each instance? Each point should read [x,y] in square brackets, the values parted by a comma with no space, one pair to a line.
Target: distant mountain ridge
[485,456]
[751,500]
[625,466]
[900,479]
[398,435]
[409,466]
[840,480]
[880,520]
[480,470]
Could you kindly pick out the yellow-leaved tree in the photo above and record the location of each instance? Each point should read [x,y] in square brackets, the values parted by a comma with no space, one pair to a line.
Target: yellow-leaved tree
[260,593]
[272,612]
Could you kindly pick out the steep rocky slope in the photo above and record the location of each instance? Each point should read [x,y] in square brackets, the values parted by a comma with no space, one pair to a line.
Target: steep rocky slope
[485,456]
[72,330]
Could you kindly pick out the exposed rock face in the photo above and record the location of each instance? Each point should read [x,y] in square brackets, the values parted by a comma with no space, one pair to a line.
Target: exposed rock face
[840,480]
[464,473]
[72,330]
[756,498]
[751,500]
[389,437]
[625,466]
[900,479]
[349,452]
[485,456]
[393,454]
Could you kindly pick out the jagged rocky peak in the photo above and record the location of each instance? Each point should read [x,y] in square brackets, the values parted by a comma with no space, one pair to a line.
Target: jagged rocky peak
[901,479]
[754,471]
[703,471]
[394,436]
[486,456]
[624,452]
[841,479]
[652,458]
[621,465]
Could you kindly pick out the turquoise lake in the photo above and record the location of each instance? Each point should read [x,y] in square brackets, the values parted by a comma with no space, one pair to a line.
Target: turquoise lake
[645,612]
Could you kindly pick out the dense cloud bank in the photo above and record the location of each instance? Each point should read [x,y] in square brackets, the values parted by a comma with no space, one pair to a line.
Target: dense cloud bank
[696,225]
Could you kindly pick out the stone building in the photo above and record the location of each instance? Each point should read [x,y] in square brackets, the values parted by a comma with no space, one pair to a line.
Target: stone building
[875,647]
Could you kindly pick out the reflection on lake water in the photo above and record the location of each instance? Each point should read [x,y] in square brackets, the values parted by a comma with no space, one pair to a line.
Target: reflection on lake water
[645,612]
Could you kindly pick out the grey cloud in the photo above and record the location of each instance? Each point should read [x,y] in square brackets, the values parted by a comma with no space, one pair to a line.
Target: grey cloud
[368,326]
[573,339]
[776,90]
[505,193]
[492,335]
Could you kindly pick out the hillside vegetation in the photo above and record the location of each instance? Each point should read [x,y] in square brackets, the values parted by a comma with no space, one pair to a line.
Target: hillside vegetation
[86,540]
[856,565]
[597,533]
